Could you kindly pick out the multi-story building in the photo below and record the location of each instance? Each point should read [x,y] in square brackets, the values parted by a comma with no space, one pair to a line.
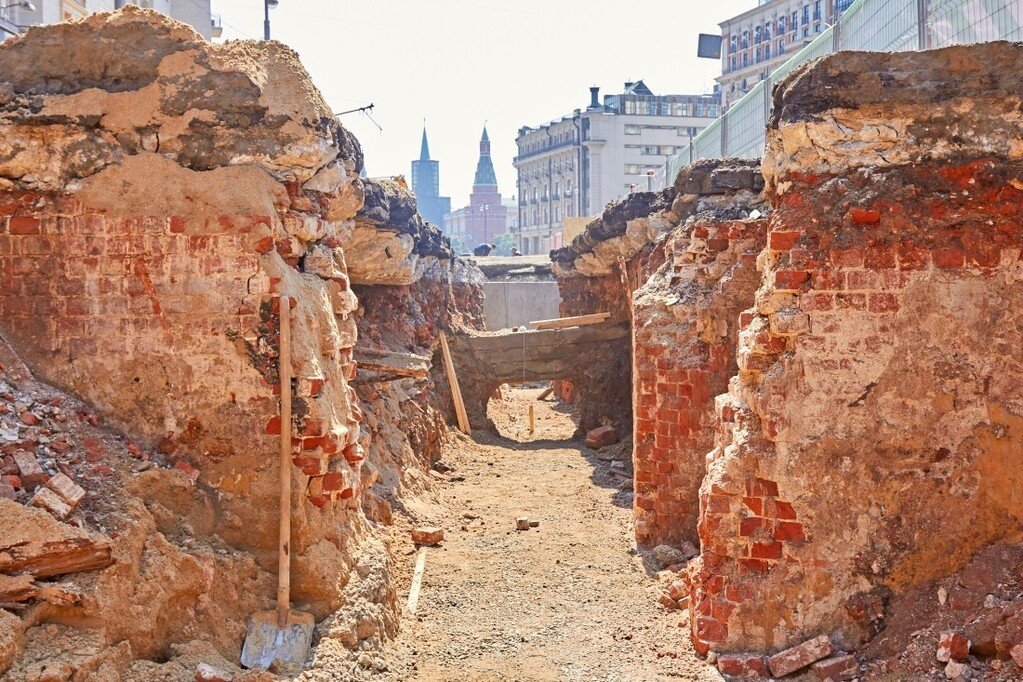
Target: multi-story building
[426,186]
[486,216]
[17,15]
[575,165]
[760,40]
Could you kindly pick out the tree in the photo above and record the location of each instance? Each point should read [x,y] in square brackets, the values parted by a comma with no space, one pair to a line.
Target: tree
[504,243]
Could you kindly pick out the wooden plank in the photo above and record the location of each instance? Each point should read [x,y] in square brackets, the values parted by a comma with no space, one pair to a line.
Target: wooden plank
[574,321]
[46,559]
[546,392]
[545,337]
[15,589]
[417,582]
[397,364]
[456,392]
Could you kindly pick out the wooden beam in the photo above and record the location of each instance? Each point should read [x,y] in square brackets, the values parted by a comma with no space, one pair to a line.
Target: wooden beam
[575,321]
[46,559]
[456,392]
[397,364]
[417,582]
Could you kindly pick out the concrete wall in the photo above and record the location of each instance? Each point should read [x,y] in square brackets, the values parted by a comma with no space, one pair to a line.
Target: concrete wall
[507,304]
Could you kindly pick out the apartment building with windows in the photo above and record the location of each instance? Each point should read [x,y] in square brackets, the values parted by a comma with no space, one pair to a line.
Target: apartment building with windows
[759,40]
[573,166]
[17,15]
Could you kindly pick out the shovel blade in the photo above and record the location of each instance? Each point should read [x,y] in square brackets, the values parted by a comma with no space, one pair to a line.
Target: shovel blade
[265,642]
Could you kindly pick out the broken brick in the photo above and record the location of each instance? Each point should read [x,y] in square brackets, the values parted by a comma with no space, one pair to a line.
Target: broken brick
[837,668]
[601,436]
[51,502]
[32,475]
[952,646]
[427,535]
[800,656]
[68,490]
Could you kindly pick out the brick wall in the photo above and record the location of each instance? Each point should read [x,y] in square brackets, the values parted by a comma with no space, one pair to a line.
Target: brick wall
[869,442]
[686,316]
[168,324]
[603,389]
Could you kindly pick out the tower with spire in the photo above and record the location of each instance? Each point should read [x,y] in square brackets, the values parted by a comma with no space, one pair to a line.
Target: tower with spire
[426,185]
[487,216]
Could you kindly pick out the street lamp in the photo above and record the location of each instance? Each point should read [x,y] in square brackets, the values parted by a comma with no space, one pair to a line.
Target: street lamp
[21,3]
[267,4]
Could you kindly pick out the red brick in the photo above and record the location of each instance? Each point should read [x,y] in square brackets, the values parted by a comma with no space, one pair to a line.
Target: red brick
[766,550]
[789,531]
[742,665]
[837,668]
[784,510]
[427,535]
[782,240]
[711,630]
[755,504]
[864,216]
[761,487]
[947,257]
[22,225]
[192,472]
[952,646]
[273,427]
[790,279]
[883,303]
[753,566]
[798,657]
[752,525]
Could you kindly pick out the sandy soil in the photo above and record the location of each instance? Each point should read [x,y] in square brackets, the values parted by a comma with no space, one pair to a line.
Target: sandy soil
[570,599]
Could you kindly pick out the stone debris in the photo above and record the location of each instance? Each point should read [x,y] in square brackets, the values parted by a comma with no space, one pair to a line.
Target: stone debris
[957,672]
[29,471]
[742,665]
[798,657]
[68,490]
[837,668]
[427,535]
[601,436]
[952,646]
[51,502]
[522,523]
[205,672]
[667,555]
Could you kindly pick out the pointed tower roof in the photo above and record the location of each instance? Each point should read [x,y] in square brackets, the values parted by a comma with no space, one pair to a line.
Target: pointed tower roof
[424,150]
[485,174]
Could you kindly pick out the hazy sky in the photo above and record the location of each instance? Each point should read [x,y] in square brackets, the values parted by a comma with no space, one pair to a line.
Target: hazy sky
[458,63]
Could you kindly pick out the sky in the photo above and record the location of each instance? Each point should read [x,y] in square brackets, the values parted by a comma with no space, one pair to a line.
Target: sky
[459,63]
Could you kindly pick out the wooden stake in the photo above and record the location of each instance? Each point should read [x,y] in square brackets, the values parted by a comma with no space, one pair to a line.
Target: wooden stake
[284,533]
[531,418]
[456,392]
[417,582]
[546,392]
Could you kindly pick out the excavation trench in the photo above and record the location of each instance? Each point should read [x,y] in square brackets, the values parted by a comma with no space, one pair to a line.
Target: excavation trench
[567,599]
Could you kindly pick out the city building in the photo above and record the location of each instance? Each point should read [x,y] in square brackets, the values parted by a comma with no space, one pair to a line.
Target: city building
[760,40]
[486,216]
[17,15]
[572,167]
[426,186]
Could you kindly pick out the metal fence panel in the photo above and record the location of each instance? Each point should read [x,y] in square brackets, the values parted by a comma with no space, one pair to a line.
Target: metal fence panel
[870,25]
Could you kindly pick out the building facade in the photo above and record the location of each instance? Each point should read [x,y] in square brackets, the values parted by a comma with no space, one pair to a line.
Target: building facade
[426,186]
[760,40]
[17,15]
[574,166]
[486,216]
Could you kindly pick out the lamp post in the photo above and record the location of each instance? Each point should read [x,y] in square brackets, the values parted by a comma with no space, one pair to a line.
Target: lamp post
[267,4]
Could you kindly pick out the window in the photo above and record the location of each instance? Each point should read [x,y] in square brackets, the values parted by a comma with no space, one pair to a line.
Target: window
[806,14]
[649,150]
[794,24]
[633,130]
[732,63]
[781,24]
[817,11]
[817,28]
[759,55]
[666,150]
[767,51]
[806,31]
[745,59]
[745,39]
[757,34]
[570,211]
[733,43]
[632,169]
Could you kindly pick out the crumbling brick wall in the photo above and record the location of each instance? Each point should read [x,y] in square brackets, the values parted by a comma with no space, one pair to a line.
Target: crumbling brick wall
[868,443]
[685,337]
[157,196]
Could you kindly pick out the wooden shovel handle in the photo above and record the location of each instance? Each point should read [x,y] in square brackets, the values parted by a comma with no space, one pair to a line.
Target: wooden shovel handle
[284,538]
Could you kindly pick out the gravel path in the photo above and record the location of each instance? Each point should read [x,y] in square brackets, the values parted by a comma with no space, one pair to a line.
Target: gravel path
[567,600]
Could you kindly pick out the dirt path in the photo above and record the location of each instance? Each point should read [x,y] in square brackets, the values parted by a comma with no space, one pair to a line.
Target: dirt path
[567,600]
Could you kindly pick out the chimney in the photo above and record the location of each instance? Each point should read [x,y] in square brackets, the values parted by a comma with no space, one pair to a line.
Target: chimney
[594,97]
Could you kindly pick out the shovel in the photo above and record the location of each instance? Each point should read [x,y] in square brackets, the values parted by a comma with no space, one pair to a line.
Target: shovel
[282,637]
